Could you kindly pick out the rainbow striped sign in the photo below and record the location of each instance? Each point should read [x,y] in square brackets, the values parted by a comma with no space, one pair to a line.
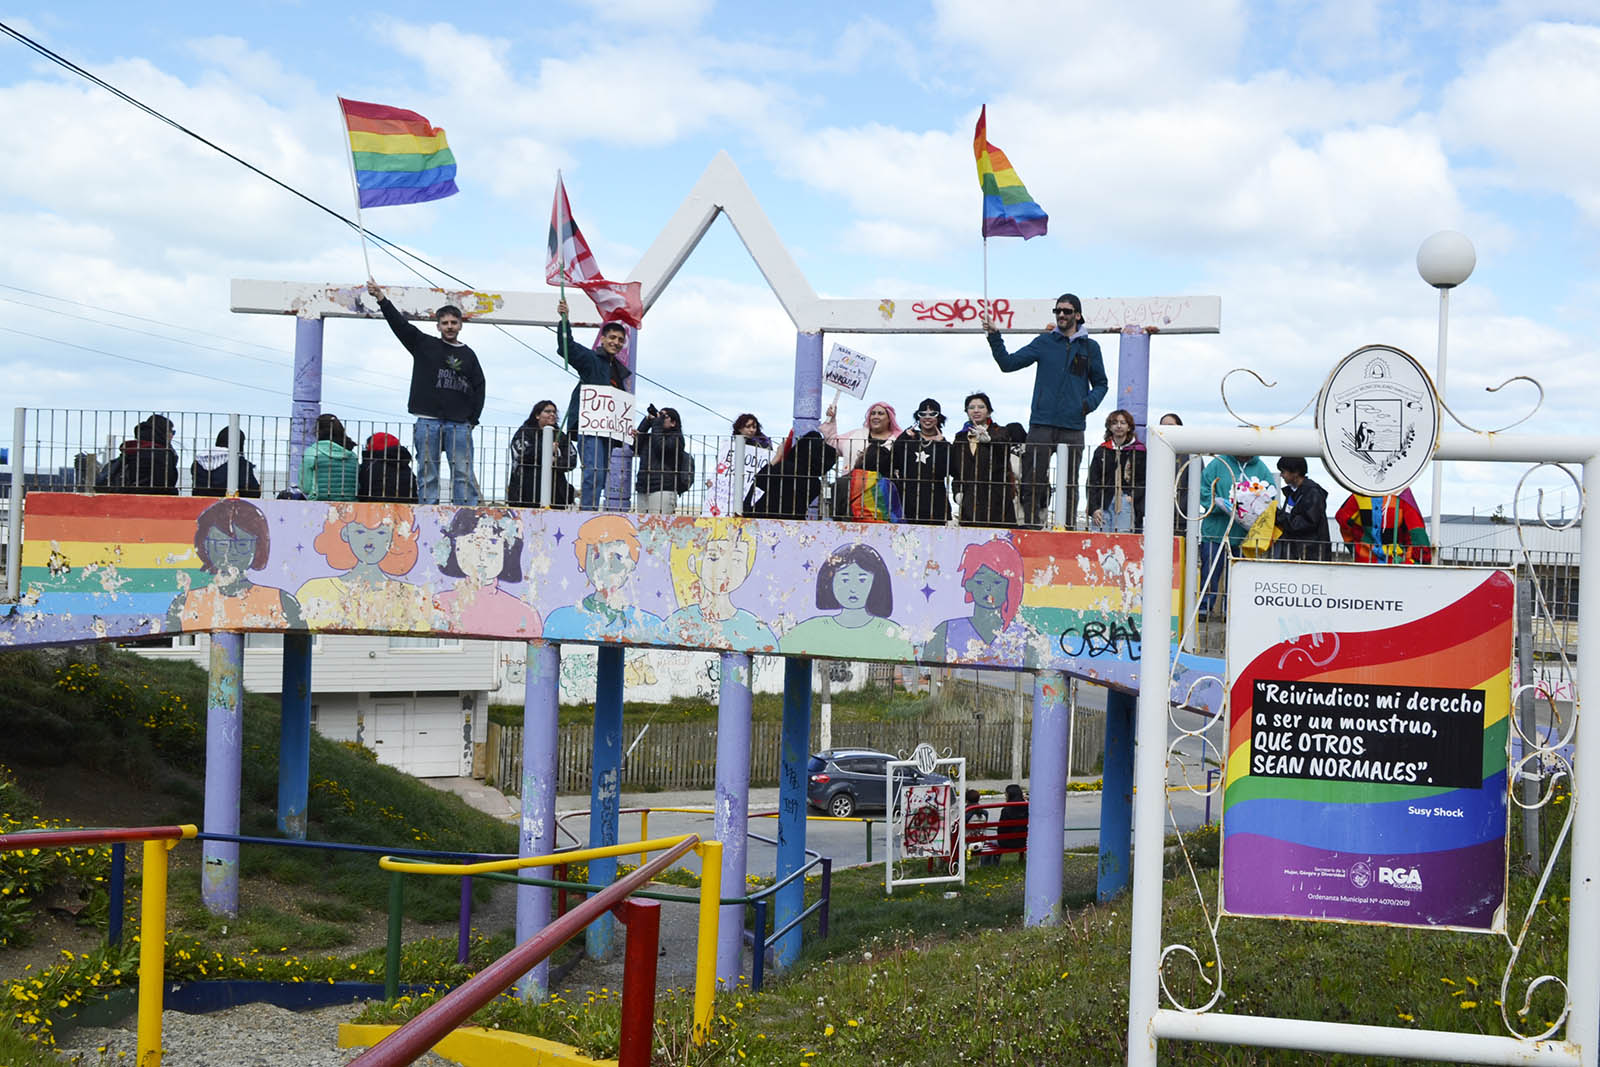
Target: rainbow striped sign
[1367,727]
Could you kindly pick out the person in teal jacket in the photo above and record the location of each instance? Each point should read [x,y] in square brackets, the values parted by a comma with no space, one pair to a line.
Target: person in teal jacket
[1218,526]
[1070,383]
[329,467]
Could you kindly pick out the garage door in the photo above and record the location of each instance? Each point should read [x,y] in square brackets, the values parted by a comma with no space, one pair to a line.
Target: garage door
[423,741]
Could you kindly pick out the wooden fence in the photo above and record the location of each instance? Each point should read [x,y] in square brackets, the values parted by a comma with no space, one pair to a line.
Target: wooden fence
[675,756]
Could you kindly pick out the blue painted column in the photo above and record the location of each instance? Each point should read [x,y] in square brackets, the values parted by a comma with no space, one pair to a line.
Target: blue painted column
[541,710]
[306,391]
[807,382]
[732,808]
[605,791]
[294,736]
[219,872]
[1047,801]
[1116,797]
[790,900]
[1133,377]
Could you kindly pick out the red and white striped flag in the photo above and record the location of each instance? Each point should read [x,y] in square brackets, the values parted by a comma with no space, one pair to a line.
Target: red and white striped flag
[571,263]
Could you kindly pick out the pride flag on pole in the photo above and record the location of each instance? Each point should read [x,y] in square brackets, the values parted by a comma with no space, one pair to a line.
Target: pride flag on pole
[1008,210]
[398,157]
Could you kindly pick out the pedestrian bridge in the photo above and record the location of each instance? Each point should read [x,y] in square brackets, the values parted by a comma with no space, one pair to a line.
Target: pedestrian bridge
[111,567]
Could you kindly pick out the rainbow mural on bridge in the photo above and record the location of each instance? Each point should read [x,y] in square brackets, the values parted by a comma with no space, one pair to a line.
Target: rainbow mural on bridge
[103,567]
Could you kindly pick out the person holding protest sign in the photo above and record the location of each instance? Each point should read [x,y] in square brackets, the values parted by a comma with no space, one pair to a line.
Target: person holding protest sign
[1069,383]
[594,366]
[447,394]
[921,467]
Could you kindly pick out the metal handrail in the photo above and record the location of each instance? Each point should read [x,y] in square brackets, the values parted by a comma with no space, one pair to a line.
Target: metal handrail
[422,1032]
[710,896]
[152,910]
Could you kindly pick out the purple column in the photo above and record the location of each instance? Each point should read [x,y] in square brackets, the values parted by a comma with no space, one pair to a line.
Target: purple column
[306,403]
[733,808]
[219,873]
[1047,801]
[807,382]
[541,708]
[1133,376]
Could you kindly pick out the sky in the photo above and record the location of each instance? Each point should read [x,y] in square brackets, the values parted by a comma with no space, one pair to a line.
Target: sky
[1287,157]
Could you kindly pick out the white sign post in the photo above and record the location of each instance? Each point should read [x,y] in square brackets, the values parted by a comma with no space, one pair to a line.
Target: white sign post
[605,412]
[927,820]
[849,371]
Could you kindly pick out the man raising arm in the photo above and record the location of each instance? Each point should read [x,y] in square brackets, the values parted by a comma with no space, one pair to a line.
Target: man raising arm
[594,366]
[447,394]
[1070,383]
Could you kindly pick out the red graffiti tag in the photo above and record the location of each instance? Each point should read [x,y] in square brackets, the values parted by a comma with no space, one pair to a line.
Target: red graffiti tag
[952,312]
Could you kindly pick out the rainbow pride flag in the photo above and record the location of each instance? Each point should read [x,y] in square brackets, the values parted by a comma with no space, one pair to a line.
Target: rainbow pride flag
[1008,210]
[398,156]
[874,498]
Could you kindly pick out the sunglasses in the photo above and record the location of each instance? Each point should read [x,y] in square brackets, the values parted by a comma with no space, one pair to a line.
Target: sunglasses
[1065,311]
[929,414]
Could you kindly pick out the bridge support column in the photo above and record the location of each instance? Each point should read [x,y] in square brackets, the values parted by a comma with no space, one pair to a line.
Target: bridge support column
[807,382]
[219,872]
[605,792]
[732,807]
[294,737]
[541,709]
[306,401]
[1047,801]
[790,900]
[1116,797]
[1133,376]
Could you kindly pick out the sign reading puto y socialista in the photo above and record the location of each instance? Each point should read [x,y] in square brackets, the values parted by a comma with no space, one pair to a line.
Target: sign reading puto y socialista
[605,412]
[1367,725]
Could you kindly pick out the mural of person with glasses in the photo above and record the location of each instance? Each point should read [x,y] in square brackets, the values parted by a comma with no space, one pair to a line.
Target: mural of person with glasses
[231,538]
[1069,383]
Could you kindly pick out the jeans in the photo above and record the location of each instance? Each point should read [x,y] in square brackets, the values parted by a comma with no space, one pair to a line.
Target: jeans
[1042,441]
[595,455]
[1118,516]
[1214,592]
[455,439]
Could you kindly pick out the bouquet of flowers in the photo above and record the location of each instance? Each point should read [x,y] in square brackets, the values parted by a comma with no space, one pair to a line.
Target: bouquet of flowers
[1255,505]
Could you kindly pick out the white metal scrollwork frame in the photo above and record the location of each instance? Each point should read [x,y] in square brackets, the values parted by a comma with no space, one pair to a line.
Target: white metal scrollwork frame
[1148,1021]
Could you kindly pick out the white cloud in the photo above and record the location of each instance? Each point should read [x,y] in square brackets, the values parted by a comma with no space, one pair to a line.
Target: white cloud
[679,14]
[1531,103]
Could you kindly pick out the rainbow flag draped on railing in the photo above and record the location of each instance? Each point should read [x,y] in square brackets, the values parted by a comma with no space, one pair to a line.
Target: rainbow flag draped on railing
[874,498]
[1008,210]
[397,155]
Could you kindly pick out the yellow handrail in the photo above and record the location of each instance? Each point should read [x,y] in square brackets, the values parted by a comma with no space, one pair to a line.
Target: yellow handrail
[710,853]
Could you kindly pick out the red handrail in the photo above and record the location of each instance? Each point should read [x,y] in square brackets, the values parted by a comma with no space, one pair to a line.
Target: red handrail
[451,1010]
[79,838]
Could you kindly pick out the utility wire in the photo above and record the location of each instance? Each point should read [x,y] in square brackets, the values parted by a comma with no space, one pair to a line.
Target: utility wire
[382,241]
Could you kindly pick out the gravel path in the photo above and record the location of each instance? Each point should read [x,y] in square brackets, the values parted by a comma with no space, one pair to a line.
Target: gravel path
[251,1035]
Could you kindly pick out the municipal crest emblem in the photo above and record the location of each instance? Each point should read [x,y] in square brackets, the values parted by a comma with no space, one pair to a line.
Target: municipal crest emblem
[1378,416]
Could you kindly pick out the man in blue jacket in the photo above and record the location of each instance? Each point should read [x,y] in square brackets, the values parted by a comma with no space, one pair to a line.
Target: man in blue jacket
[1069,384]
[594,366]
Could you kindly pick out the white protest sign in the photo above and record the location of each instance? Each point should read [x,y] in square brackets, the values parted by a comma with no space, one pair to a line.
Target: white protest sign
[605,412]
[719,500]
[849,370]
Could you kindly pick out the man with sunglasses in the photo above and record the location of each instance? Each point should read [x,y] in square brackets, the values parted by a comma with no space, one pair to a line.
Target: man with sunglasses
[1069,384]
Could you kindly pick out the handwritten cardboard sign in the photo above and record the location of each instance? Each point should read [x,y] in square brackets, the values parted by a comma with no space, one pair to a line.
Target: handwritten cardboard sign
[849,371]
[605,412]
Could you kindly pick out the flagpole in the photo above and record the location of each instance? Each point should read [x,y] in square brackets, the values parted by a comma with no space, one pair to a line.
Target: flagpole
[355,187]
[565,362]
[986,274]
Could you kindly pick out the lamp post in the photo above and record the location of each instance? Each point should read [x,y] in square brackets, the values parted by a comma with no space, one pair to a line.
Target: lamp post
[1445,260]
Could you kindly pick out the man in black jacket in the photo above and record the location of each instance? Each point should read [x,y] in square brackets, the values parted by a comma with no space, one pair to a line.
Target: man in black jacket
[599,365]
[1303,514]
[447,394]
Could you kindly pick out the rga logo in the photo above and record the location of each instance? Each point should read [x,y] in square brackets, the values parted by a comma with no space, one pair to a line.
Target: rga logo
[1361,874]
[1407,878]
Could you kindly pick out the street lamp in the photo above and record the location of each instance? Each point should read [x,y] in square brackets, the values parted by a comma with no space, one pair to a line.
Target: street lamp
[1445,260]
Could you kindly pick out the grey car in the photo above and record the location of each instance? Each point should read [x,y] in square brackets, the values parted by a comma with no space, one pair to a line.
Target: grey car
[843,781]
